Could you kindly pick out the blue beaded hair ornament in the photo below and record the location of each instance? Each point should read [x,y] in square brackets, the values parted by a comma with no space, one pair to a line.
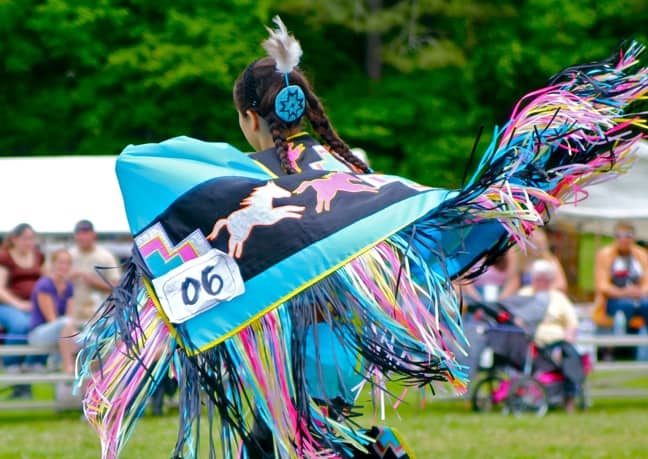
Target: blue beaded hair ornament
[290,103]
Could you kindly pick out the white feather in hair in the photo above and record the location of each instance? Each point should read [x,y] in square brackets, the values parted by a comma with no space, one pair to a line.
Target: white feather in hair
[283,47]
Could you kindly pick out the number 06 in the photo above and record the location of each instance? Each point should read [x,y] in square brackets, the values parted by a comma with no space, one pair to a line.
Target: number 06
[210,283]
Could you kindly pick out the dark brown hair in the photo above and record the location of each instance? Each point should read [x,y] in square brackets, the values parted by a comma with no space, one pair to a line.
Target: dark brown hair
[14,233]
[256,89]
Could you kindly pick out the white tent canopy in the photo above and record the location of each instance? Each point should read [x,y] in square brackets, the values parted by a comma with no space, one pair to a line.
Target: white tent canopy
[622,198]
[53,193]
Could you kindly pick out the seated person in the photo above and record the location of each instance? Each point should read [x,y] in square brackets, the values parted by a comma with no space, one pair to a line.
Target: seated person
[95,270]
[92,283]
[20,268]
[556,330]
[621,276]
[539,249]
[51,306]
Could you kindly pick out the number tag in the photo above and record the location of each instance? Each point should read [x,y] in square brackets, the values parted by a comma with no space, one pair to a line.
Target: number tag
[198,285]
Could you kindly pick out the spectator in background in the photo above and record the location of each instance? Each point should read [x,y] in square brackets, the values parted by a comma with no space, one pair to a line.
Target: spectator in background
[20,268]
[539,249]
[52,307]
[560,320]
[556,331]
[90,289]
[621,275]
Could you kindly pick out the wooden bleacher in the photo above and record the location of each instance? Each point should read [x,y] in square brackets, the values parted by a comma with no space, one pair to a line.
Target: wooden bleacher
[593,340]
[7,380]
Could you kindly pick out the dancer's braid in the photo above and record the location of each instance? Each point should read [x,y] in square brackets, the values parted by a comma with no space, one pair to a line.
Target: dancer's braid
[256,89]
[281,145]
[322,125]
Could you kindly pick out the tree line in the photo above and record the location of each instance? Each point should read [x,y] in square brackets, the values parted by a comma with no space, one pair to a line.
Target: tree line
[410,81]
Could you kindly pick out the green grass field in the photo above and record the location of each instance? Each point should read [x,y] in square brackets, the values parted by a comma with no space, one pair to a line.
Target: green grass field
[442,429]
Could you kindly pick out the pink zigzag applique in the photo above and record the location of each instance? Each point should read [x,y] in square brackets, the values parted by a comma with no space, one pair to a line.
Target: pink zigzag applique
[155,240]
[186,251]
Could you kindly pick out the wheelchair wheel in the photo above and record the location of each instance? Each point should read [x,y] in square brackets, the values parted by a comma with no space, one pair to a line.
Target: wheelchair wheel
[527,396]
[486,394]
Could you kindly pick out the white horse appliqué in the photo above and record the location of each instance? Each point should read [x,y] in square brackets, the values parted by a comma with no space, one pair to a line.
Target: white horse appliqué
[257,211]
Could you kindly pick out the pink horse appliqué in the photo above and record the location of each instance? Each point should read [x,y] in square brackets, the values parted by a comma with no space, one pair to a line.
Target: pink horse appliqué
[294,152]
[328,186]
[257,211]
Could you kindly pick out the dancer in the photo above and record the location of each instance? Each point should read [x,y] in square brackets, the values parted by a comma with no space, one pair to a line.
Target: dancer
[289,278]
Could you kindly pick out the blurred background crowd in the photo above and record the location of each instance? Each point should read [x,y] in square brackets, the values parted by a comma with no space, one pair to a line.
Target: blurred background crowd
[410,81]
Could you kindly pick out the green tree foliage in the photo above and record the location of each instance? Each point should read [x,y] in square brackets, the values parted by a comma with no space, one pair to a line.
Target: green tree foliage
[411,81]
[88,76]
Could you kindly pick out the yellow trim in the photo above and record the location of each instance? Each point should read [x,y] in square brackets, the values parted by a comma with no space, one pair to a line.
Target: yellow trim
[158,306]
[399,437]
[281,300]
[294,293]
[294,136]
[265,169]
[271,306]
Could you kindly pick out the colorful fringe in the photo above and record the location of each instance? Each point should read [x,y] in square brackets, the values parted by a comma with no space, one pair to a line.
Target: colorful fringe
[375,310]
[123,370]
[389,314]
[559,140]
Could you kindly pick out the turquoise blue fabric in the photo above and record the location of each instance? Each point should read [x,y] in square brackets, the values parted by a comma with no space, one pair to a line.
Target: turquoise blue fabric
[152,176]
[332,369]
[273,286]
